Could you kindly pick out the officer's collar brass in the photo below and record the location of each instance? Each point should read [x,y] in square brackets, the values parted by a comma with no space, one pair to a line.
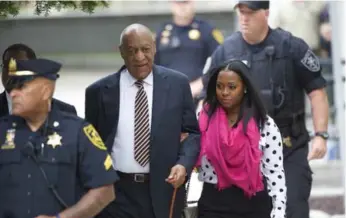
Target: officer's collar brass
[12,70]
[194,25]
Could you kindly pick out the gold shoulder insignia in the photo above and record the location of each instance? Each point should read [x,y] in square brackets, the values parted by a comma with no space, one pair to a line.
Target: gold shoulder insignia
[108,162]
[94,137]
[218,36]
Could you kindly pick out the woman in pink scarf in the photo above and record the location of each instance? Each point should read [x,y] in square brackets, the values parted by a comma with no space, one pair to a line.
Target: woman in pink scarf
[241,150]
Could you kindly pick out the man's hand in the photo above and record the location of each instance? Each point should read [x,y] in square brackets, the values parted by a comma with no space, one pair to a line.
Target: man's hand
[177,176]
[183,136]
[318,148]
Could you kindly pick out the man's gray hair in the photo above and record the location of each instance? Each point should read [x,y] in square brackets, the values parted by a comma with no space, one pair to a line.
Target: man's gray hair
[133,27]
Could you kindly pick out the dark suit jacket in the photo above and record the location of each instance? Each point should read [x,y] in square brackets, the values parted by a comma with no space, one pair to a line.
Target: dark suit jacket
[55,103]
[173,113]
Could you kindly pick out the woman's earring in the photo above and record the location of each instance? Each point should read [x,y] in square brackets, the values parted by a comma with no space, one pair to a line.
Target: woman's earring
[245,91]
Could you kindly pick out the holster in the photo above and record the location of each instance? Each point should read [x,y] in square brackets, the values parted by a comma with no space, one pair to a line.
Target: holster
[294,135]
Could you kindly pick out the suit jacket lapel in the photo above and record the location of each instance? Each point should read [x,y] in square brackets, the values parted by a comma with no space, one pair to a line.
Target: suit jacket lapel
[3,105]
[160,91]
[110,99]
[111,102]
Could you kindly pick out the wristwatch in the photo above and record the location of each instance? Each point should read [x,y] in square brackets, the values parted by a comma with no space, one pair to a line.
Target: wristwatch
[324,135]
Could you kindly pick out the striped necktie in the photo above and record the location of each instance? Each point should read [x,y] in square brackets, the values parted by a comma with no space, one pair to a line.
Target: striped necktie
[142,128]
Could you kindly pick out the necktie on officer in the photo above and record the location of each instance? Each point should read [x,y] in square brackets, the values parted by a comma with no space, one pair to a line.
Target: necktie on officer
[142,128]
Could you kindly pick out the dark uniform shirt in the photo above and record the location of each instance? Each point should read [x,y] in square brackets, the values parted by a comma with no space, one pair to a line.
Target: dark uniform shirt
[306,65]
[67,148]
[186,48]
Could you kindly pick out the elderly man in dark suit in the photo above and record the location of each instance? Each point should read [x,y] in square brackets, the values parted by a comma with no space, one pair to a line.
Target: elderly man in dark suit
[141,112]
[22,52]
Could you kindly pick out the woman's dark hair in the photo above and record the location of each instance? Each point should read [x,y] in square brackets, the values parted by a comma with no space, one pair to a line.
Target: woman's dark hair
[251,105]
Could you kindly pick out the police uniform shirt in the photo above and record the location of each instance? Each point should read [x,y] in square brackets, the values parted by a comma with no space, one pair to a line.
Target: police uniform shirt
[70,152]
[306,64]
[186,48]
[271,167]
[123,146]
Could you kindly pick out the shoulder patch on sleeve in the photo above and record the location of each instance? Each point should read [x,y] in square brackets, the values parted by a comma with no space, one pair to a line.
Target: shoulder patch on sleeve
[218,36]
[94,137]
[108,162]
[311,61]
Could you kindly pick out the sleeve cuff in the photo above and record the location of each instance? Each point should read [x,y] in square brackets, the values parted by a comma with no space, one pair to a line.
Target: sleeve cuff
[102,180]
[317,83]
[276,213]
[184,163]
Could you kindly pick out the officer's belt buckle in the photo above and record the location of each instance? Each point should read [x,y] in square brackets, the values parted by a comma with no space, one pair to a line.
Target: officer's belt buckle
[287,141]
[139,178]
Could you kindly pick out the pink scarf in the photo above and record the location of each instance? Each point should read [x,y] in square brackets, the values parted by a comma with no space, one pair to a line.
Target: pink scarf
[234,155]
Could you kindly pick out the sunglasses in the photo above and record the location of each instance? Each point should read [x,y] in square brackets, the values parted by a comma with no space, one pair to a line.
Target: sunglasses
[17,83]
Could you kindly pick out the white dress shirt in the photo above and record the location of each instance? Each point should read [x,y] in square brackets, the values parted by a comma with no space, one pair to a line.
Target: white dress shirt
[123,146]
[271,167]
[9,102]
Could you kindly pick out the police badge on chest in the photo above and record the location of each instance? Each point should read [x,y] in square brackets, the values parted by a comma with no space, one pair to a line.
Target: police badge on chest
[9,142]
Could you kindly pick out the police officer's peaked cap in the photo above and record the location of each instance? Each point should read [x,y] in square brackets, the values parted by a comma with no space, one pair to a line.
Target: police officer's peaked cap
[21,71]
[34,68]
[254,5]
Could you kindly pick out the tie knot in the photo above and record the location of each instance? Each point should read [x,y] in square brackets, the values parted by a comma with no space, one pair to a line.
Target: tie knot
[139,83]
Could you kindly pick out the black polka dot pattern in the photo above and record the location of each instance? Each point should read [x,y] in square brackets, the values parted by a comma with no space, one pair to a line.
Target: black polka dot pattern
[271,167]
[207,172]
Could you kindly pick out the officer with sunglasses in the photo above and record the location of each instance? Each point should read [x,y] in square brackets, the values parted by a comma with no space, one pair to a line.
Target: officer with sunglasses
[52,163]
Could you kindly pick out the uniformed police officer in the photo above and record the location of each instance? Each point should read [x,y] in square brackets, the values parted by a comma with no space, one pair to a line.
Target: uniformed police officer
[284,68]
[52,164]
[21,51]
[185,43]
